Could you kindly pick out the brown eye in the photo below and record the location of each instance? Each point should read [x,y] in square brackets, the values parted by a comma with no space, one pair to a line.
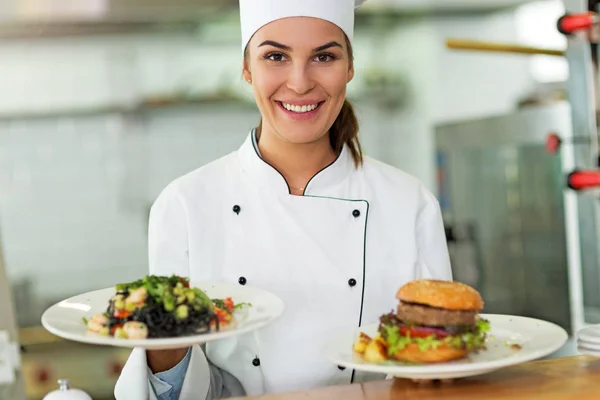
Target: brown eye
[325,57]
[277,57]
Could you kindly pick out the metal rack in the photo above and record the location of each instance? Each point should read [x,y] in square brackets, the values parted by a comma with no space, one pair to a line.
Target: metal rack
[582,210]
[574,186]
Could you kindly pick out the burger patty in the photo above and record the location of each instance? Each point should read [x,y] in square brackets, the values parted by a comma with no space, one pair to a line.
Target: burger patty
[430,316]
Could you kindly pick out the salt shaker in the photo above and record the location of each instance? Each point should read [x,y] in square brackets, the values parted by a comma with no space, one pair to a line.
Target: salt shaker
[64,392]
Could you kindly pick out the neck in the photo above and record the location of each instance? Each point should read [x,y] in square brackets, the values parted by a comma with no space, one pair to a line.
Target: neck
[298,163]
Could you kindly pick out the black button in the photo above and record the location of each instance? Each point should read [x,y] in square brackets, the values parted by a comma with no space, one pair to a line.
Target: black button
[237,209]
[256,362]
[242,280]
[341,368]
[356,213]
[352,282]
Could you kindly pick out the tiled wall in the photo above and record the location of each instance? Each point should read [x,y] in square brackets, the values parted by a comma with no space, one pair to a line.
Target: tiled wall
[76,192]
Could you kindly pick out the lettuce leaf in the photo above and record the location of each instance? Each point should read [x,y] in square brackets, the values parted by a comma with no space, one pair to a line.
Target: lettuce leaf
[471,340]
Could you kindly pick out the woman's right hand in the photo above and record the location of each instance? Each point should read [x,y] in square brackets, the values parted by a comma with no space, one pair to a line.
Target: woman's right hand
[164,360]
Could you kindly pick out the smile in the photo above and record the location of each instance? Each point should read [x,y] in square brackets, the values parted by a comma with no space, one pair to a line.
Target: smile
[300,109]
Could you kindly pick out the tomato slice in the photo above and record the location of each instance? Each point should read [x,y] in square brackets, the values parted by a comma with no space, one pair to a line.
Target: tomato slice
[122,314]
[422,332]
[229,304]
[224,316]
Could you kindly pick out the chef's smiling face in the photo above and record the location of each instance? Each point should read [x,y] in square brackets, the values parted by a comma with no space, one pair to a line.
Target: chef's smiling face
[299,68]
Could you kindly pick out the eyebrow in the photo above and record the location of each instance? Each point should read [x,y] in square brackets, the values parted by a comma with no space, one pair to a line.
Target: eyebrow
[275,44]
[288,48]
[327,46]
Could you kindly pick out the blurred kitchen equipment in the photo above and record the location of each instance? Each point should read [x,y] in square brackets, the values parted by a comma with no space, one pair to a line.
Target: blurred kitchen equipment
[577,179]
[581,180]
[569,23]
[554,142]
[93,369]
[582,177]
[491,47]
[582,211]
[502,202]
[465,252]
[27,312]
[45,357]
[533,228]
[12,386]
[64,392]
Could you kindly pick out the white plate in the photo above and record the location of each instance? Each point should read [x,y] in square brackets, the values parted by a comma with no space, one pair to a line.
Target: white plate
[65,319]
[589,345]
[537,339]
[587,351]
[590,334]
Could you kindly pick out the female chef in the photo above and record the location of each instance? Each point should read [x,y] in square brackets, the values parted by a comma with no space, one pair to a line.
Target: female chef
[297,210]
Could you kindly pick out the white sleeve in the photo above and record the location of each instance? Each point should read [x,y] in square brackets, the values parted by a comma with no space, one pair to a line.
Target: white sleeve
[168,235]
[434,260]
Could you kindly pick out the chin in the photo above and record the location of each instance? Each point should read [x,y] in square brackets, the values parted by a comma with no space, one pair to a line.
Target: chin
[301,133]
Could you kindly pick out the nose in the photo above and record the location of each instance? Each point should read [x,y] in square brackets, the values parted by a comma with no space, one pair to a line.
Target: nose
[300,79]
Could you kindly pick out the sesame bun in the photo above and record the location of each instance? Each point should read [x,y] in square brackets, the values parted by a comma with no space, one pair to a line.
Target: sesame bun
[441,294]
[443,353]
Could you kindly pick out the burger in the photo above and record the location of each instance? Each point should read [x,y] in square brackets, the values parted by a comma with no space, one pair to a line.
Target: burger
[436,321]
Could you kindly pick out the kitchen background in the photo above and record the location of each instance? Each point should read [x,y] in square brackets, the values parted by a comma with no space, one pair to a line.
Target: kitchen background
[102,103]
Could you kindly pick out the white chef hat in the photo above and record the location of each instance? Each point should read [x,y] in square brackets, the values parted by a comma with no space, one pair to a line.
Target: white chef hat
[254,14]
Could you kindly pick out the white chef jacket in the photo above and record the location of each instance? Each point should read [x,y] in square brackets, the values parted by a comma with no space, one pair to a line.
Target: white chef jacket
[336,256]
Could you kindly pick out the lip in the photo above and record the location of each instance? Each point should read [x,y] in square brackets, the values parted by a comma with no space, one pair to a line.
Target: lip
[301,116]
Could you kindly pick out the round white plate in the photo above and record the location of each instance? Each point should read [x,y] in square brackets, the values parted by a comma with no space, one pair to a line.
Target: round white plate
[588,352]
[589,345]
[536,339]
[65,319]
[590,334]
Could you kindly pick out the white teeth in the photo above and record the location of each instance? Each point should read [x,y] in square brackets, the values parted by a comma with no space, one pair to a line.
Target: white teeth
[299,109]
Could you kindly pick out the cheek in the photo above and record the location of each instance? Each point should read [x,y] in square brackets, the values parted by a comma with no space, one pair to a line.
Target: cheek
[266,81]
[334,81]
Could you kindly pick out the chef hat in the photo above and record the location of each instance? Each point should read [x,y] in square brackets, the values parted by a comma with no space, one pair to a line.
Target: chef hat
[254,14]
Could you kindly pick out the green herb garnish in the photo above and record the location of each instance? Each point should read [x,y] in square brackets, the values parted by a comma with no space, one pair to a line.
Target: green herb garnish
[170,291]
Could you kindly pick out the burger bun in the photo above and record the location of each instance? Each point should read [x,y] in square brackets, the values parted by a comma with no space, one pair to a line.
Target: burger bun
[448,295]
[442,353]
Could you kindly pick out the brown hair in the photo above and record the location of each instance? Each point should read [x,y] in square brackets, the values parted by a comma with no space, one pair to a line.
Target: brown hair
[344,130]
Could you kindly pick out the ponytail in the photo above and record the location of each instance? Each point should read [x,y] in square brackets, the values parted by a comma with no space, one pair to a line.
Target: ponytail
[344,131]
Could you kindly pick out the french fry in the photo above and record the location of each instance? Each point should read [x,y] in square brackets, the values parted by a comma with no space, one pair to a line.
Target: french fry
[375,352]
[361,342]
[380,340]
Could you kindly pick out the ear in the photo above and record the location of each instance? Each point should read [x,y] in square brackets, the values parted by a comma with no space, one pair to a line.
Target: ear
[246,71]
[350,73]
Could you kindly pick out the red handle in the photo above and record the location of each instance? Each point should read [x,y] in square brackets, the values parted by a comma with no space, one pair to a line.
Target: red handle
[553,143]
[579,180]
[570,23]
